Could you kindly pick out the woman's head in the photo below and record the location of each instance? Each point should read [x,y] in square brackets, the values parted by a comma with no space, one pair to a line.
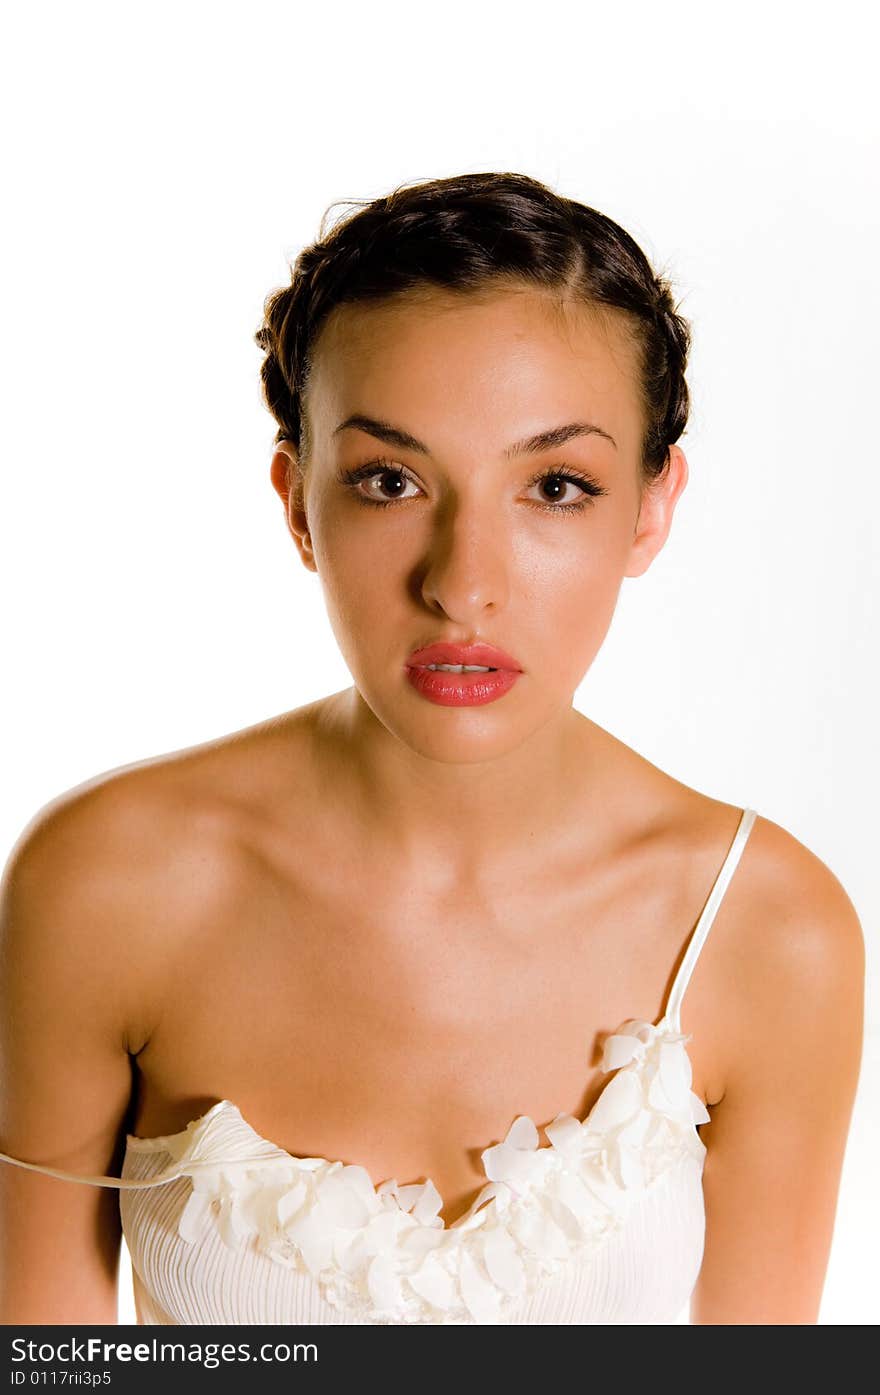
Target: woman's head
[464,234]
[475,340]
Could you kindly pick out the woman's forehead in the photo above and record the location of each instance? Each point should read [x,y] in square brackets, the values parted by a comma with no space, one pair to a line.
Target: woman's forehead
[432,315]
[519,352]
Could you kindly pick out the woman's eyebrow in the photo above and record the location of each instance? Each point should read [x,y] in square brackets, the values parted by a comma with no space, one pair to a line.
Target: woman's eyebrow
[532,445]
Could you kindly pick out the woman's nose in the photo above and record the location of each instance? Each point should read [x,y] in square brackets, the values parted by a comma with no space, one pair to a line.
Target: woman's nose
[466,570]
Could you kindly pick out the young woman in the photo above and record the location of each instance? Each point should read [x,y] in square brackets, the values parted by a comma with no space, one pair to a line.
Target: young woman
[315,991]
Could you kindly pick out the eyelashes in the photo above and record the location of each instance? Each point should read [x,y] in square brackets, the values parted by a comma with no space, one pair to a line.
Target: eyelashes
[588,487]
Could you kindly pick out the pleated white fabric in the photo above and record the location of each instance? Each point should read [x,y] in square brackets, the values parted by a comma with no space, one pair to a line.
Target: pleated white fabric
[644,1273]
[603,1225]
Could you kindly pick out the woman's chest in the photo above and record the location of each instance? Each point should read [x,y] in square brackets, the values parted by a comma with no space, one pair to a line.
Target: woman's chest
[367,1021]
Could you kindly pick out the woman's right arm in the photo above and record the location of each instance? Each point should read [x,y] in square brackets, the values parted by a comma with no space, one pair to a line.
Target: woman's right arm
[70,910]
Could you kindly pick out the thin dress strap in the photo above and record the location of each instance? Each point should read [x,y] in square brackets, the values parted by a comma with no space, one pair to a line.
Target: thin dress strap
[124,1184]
[704,924]
[168,1174]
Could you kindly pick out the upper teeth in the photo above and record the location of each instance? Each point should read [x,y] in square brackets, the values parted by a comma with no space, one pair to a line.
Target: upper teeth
[460,668]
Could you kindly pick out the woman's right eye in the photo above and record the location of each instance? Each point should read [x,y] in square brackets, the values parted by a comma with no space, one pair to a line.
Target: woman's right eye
[381,476]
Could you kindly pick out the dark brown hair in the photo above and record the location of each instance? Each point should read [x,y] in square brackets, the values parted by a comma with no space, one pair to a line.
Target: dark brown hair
[463,233]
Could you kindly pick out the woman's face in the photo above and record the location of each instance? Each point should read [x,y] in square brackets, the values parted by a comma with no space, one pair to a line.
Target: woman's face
[464,532]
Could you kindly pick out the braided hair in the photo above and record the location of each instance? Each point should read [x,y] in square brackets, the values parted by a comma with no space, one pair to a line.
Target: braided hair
[464,233]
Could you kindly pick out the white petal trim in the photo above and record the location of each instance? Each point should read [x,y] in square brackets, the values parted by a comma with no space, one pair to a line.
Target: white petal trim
[384,1254]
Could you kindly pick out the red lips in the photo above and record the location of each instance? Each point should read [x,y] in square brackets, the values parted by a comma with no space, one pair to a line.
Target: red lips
[444,653]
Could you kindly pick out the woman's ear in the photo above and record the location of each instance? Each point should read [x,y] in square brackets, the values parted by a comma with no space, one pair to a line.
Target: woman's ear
[287,481]
[659,498]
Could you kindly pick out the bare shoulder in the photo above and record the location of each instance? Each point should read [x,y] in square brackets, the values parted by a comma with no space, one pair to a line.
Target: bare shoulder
[787,995]
[101,896]
[784,965]
[110,879]
[782,999]
[801,948]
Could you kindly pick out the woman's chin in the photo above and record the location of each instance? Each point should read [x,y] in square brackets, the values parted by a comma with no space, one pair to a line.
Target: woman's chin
[453,735]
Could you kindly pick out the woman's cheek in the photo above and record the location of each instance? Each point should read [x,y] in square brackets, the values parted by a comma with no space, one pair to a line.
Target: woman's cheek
[578,601]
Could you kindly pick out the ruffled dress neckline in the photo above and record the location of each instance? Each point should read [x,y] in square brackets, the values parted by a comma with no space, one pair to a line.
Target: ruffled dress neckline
[384,1252]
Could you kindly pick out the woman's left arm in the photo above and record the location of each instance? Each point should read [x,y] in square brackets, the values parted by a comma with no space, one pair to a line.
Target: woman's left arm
[777,1138]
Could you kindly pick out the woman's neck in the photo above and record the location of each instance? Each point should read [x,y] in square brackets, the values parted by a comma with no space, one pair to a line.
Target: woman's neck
[462,819]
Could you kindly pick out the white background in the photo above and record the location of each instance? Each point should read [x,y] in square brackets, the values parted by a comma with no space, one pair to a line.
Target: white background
[165,161]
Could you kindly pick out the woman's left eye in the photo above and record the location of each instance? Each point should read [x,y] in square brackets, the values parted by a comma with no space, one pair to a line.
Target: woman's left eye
[585,487]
